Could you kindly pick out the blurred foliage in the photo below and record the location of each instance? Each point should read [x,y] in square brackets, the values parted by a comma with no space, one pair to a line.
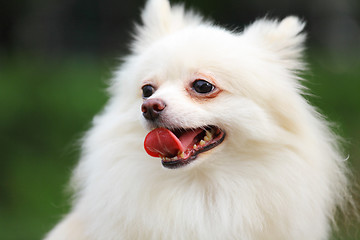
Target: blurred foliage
[46,105]
[57,27]
[334,82]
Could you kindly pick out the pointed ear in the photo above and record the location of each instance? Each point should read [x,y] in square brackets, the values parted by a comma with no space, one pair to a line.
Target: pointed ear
[160,19]
[156,16]
[284,38]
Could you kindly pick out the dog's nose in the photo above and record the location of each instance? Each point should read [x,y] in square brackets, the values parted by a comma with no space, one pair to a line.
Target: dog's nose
[152,108]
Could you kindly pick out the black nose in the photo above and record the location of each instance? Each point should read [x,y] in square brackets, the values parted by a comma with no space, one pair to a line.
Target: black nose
[152,108]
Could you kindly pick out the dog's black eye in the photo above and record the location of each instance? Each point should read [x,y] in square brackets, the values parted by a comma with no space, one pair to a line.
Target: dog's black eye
[202,86]
[148,90]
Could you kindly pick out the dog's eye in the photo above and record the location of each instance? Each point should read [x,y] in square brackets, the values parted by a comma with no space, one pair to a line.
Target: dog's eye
[147,90]
[202,86]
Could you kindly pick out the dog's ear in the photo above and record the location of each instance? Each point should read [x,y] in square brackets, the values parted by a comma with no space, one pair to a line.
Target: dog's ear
[284,38]
[160,19]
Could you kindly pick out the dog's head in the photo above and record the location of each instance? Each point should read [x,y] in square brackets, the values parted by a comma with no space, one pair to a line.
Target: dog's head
[202,87]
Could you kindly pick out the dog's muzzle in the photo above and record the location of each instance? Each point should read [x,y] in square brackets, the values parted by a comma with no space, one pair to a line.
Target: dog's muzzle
[151,108]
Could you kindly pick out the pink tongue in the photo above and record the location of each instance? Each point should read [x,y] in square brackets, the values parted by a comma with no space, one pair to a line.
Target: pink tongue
[162,142]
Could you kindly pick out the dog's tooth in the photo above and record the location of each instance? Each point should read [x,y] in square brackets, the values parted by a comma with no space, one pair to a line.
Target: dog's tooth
[194,147]
[209,134]
[182,155]
[202,142]
[165,159]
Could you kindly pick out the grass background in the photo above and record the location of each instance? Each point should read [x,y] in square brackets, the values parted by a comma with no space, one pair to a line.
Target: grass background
[47,104]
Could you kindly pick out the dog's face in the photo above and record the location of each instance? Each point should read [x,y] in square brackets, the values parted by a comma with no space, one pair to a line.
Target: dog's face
[205,90]
[191,92]
[182,101]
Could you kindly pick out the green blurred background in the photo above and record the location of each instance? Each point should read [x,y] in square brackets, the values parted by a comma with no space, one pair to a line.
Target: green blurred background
[57,55]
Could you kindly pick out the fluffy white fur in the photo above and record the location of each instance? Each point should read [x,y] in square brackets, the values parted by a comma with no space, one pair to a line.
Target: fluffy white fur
[277,175]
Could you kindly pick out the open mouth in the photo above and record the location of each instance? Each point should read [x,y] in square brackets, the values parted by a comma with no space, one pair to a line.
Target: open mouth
[179,147]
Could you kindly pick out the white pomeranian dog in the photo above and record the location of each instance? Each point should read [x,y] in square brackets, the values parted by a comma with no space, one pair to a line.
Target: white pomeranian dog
[207,136]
